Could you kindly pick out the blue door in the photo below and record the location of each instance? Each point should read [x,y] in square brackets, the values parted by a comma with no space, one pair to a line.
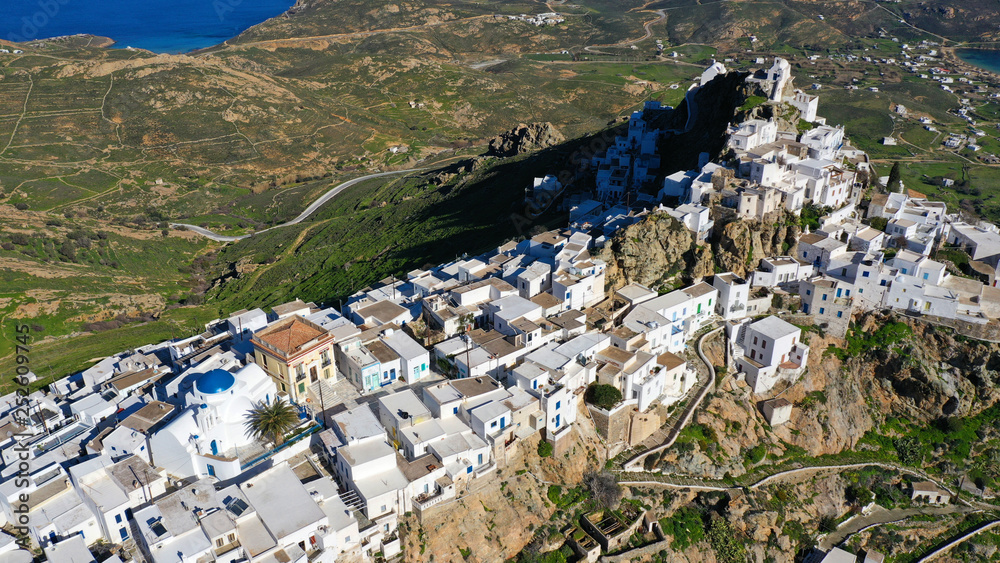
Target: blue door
[211,470]
[215,448]
[557,420]
[838,291]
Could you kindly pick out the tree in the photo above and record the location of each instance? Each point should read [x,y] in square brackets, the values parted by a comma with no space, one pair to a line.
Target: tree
[603,396]
[878,223]
[271,421]
[604,488]
[895,184]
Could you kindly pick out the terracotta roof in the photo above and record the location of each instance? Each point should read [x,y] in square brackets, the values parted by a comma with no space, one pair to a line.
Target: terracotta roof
[915,194]
[289,335]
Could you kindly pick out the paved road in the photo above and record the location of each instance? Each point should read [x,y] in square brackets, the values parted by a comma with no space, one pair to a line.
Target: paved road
[302,216]
[882,516]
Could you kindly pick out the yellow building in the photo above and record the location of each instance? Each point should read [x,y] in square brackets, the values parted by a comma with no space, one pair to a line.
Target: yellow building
[296,353]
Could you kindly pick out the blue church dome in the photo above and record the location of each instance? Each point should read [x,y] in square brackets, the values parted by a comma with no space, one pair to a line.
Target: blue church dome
[215,381]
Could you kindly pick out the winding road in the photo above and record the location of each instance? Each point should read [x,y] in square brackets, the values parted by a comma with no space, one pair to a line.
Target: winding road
[302,216]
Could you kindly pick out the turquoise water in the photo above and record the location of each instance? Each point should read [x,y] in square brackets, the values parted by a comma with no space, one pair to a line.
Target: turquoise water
[988,60]
[162,26]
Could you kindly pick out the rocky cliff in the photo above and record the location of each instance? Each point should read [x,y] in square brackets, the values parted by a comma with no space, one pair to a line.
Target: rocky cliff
[525,138]
[658,249]
[739,245]
[649,252]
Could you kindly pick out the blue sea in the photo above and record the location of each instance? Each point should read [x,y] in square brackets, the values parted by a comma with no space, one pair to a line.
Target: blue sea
[162,26]
[984,59]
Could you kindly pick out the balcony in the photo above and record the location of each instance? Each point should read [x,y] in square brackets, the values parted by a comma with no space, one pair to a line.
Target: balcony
[423,501]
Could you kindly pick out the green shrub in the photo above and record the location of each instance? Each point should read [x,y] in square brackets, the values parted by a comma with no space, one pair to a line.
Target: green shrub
[756,454]
[545,449]
[685,526]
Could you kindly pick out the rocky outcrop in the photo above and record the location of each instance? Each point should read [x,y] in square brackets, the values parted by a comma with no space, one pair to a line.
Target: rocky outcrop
[648,252]
[659,248]
[525,138]
[739,245]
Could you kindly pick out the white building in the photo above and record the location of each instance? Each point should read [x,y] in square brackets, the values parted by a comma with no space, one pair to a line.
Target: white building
[697,219]
[734,292]
[752,134]
[202,439]
[771,350]
[781,271]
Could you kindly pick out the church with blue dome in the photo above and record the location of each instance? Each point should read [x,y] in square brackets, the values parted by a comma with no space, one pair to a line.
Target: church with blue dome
[204,439]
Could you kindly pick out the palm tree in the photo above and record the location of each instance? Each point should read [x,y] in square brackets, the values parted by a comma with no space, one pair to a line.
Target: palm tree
[271,421]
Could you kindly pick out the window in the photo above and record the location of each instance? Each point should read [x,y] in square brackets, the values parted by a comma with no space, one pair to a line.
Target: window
[926,275]
[847,293]
[824,297]
[840,314]
[423,367]
[383,508]
[123,533]
[468,469]
[843,271]
[231,538]
[220,542]
[809,292]
[882,283]
[534,384]
[864,274]
[558,404]
[493,424]
[763,345]
[118,518]
[755,340]
[861,290]
[454,410]
[903,270]
[805,254]
[480,459]
[821,310]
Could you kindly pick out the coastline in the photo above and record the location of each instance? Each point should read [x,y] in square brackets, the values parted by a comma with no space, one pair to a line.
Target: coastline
[950,57]
[90,40]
